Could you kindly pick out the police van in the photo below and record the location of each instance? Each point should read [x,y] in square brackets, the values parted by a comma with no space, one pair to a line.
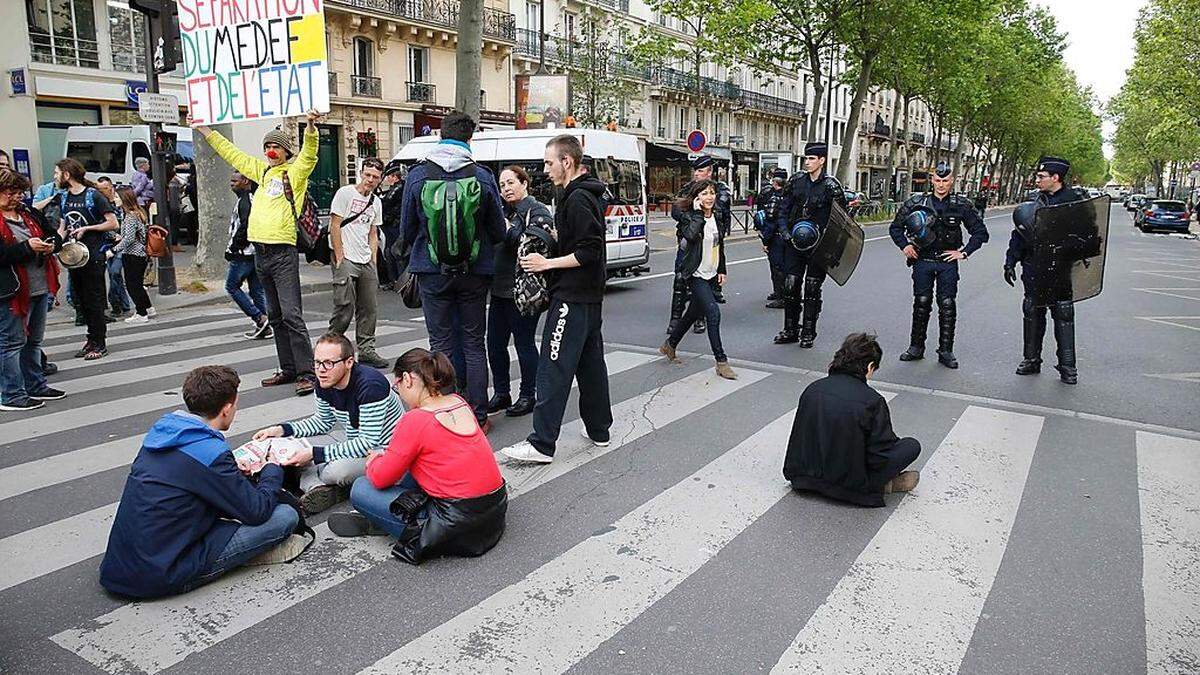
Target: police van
[110,150]
[614,158]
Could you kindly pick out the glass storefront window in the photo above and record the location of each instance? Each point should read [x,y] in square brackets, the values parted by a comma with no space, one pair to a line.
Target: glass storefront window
[63,32]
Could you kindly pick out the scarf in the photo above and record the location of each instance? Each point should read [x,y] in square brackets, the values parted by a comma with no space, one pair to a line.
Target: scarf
[20,302]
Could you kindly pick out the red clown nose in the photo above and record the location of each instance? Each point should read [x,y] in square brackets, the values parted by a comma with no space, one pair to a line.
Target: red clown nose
[273,154]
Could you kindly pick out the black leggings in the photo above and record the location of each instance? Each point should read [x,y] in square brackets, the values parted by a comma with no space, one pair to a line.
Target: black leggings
[703,305]
[135,269]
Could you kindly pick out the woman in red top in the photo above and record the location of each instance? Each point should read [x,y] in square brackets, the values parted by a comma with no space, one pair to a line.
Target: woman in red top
[437,486]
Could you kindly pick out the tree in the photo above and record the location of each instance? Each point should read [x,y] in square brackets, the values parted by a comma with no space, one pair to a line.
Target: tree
[601,69]
[469,57]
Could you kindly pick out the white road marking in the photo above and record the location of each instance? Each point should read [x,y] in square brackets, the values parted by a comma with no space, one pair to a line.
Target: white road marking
[1173,292]
[151,332]
[124,328]
[1174,321]
[912,598]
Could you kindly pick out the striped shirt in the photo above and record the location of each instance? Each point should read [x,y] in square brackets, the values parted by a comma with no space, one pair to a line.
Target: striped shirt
[368,399]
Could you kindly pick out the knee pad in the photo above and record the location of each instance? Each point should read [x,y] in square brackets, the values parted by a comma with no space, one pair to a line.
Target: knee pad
[1027,307]
[1063,311]
[791,285]
[812,288]
[922,303]
[946,305]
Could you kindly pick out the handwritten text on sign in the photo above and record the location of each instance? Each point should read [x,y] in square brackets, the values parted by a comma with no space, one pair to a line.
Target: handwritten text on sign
[251,59]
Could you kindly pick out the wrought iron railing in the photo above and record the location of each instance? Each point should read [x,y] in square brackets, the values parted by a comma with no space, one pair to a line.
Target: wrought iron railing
[497,24]
[63,50]
[576,54]
[421,92]
[621,5]
[876,129]
[918,137]
[362,85]
[678,80]
[772,104]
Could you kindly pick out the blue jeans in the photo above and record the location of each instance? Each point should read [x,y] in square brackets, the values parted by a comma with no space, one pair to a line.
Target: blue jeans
[21,350]
[249,541]
[456,315]
[118,297]
[505,320]
[376,504]
[703,305]
[253,305]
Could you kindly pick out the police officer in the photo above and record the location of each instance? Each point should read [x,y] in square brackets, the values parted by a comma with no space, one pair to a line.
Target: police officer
[768,221]
[702,169]
[928,230]
[1050,180]
[808,199]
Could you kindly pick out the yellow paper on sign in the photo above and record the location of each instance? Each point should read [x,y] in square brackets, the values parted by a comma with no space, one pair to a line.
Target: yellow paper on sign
[309,33]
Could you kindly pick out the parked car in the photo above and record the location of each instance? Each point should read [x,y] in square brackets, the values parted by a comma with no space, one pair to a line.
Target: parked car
[1162,214]
[1135,202]
[854,198]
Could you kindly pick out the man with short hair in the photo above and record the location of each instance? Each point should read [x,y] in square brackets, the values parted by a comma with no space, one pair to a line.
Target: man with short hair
[842,444]
[355,398]
[391,195]
[354,218]
[572,343]
[240,254]
[455,265]
[188,514]
[143,185]
[271,227]
[118,298]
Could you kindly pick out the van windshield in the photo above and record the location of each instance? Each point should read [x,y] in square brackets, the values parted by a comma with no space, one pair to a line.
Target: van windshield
[98,156]
[622,178]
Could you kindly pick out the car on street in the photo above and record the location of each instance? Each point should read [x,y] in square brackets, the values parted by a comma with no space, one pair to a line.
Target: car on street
[1162,214]
[854,198]
[1135,202]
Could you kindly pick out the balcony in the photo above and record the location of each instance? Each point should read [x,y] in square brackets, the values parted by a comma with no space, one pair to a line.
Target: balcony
[670,78]
[333,83]
[772,104]
[497,24]
[575,54]
[422,92]
[63,50]
[365,86]
[918,137]
[616,5]
[661,132]
[877,129]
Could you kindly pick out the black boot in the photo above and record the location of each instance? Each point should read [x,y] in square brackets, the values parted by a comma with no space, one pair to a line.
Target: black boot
[679,298]
[1064,335]
[775,299]
[791,323]
[498,403]
[1034,331]
[922,308]
[808,326]
[947,312]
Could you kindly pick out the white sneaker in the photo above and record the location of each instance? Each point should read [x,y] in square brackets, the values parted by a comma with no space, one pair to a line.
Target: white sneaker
[151,312]
[138,318]
[525,452]
[599,444]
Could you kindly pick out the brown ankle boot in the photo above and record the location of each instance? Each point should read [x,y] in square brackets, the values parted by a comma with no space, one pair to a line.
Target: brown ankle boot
[668,351]
[904,482]
[725,371]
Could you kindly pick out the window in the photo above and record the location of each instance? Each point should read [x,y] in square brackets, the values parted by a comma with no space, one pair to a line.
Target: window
[681,122]
[418,64]
[533,16]
[569,25]
[128,30]
[364,57]
[661,119]
[98,157]
[63,32]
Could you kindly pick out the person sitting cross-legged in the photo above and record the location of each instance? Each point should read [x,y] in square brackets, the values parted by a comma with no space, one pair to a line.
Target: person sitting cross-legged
[188,515]
[842,444]
[349,395]
[437,487]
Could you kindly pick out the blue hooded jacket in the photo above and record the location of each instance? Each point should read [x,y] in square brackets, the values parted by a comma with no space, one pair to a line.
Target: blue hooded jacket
[170,524]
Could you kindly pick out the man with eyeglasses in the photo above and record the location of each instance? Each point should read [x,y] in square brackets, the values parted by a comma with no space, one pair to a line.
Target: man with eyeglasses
[350,395]
[1050,181]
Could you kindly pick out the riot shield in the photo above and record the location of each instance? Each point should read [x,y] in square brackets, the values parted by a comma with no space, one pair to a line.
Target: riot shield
[840,246]
[1069,245]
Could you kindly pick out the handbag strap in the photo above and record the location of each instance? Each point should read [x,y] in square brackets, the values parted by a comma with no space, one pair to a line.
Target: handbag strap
[289,195]
[356,216]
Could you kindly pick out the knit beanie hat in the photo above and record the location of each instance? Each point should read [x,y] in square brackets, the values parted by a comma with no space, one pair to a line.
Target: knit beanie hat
[281,139]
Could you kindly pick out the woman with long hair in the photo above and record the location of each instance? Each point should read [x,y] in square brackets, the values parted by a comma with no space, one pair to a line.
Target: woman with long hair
[132,249]
[436,487]
[702,265]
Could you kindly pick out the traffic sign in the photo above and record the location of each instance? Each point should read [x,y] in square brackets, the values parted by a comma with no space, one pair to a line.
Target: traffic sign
[696,140]
[158,108]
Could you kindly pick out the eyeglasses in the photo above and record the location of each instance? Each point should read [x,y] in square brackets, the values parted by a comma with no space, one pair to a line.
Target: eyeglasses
[326,365]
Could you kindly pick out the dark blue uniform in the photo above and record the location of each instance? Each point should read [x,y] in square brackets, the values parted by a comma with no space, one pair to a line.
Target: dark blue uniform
[812,200]
[770,202]
[1020,250]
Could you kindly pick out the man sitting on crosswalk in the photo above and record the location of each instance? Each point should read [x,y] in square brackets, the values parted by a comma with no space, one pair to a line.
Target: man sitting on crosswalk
[842,444]
[187,513]
[352,396]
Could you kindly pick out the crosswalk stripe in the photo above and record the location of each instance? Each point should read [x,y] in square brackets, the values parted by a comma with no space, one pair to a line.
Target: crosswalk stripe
[19,429]
[150,332]
[59,544]
[40,473]
[172,319]
[913,597]
[67,366]
[153,636]
[1168,472]
[562,611]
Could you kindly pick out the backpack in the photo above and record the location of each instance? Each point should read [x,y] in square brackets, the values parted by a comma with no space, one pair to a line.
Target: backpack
[308,226]
[451,208]
[531,290]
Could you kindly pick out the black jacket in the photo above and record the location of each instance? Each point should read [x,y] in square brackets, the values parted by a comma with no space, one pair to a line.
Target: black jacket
[457,527]
[21,253]
[954,213]
[1020,248]
[239,243]
[806,199]
[722,209]
[690,232]
[506,251]
[579,219]
[841,428]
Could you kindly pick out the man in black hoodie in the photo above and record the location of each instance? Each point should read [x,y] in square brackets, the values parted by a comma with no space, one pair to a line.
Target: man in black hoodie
[572,346]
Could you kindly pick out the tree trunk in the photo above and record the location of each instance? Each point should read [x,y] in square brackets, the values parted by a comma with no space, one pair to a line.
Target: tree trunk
[860,93]
[893,146]
[958,152]
[908,154]
[469,57]
[937,140]
[814,64]
[216,203]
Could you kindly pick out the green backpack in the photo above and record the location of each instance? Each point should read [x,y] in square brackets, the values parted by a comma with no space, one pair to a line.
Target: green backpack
[451,206]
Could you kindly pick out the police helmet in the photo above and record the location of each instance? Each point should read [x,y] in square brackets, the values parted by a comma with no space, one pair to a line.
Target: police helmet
[760,219]
[779,172]
[805,235]
[1023,215]
[918,227]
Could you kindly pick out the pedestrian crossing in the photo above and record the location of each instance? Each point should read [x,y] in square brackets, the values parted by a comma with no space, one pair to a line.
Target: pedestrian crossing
[595,542]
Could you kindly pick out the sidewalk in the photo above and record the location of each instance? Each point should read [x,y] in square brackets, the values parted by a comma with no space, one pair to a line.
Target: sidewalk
[191,290]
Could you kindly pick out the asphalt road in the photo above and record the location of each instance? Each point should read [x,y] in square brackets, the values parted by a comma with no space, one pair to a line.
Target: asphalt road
[1054,528]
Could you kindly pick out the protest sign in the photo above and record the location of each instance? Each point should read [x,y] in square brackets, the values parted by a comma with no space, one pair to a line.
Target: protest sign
[253,59]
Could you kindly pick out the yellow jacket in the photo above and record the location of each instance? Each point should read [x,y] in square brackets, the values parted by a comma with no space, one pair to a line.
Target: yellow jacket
[272,220]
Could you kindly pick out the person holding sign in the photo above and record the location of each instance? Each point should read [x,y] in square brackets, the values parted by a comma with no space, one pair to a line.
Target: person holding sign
[272,231]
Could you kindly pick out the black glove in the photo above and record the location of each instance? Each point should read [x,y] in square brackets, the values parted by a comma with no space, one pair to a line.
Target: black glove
[1010,276]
